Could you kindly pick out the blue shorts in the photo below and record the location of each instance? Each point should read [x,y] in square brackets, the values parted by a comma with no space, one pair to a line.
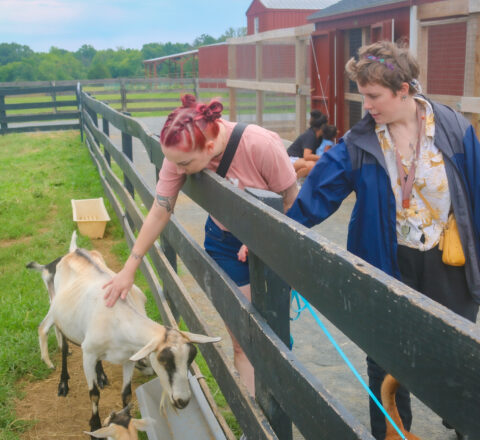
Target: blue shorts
[223,246]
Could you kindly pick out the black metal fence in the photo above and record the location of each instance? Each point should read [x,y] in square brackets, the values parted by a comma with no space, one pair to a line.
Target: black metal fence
[431,350]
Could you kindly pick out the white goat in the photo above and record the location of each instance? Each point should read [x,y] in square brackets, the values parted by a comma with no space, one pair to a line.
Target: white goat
[121,334]
[120,425]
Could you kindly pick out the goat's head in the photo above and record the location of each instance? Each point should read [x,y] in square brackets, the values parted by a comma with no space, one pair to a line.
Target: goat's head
[170,355]
[120,425]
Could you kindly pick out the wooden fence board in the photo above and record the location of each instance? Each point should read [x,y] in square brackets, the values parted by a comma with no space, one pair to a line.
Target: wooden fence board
[30,105]
[42,117]
[33,128]
[9,91]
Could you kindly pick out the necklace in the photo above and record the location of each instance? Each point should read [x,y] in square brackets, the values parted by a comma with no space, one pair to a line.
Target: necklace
[407,176]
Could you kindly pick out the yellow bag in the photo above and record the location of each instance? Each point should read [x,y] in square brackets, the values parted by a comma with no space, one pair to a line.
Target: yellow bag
[450,244]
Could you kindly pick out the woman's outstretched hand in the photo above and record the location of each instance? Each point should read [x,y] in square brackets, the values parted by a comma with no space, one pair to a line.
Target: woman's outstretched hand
[118,287]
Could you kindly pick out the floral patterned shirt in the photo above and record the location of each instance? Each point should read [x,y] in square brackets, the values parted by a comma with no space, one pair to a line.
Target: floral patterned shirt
[420,225]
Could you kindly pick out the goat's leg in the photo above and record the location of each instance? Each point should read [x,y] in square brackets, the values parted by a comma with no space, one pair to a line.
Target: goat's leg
[43,329]
[64,376]
[89,362]
[102,379]
[128,368]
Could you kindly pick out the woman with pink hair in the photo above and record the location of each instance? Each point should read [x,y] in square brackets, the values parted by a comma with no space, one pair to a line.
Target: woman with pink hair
[194,138]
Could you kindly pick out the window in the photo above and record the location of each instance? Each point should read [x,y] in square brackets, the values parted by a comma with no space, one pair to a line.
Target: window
[256,25]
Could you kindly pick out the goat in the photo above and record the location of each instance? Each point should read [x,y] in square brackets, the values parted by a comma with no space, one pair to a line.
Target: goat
[120,425]
[121,334]
[48,274]
[388,393]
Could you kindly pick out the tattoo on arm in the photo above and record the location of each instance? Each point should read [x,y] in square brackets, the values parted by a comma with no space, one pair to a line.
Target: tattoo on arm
[166,202]
[136,256]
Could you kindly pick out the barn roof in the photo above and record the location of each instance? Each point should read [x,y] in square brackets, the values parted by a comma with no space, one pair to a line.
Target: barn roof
[173,56]
[350,6]
[297,4]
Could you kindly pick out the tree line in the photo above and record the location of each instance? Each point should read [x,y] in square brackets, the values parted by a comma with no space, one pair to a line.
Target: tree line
[21,63]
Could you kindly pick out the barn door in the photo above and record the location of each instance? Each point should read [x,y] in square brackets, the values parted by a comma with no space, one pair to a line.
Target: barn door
[383,30]
[322,80]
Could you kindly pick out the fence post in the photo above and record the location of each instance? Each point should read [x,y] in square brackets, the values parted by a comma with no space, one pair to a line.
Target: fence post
[127,149]
[80,106]
[54,97]
[271,297]
[3,116]
[195,88]
[123,95]
[106,130]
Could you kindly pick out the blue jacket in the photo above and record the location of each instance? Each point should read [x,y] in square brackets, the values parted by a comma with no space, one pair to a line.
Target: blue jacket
[357,164]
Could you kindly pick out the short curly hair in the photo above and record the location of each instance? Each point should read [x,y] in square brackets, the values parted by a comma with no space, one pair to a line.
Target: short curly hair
[384,63]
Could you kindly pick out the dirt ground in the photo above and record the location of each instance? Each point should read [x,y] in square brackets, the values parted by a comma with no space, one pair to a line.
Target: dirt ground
[67,417]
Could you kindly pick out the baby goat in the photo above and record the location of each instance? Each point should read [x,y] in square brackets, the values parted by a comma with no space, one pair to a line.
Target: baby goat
[120,425]
[121,334]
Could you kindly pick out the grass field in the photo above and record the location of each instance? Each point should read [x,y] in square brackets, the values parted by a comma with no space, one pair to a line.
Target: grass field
[39,174]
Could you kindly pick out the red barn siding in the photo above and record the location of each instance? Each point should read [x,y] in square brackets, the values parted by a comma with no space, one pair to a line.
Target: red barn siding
[446,58]
[270,19]
[213,63]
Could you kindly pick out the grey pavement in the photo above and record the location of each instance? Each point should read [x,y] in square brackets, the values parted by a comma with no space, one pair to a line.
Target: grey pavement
[311,345]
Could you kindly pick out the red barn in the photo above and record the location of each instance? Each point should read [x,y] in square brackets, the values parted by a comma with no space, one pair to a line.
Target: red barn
[266,15]
[442,33]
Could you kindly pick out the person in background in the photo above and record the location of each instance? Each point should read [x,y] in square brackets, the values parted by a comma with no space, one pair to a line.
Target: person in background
[329,132]
[302,149]
[411,163]
[194,138]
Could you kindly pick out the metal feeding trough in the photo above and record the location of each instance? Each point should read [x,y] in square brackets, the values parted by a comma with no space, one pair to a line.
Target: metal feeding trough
[196,421]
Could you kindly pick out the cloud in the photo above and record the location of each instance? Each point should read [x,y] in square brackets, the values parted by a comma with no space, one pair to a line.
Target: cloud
[39,12]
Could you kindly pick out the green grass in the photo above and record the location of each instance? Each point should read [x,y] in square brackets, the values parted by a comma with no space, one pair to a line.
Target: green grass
[39,174]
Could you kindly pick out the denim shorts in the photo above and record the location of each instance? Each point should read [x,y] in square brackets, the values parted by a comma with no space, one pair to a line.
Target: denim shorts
[223,246]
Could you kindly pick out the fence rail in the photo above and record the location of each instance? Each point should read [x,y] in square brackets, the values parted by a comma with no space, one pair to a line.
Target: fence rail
[431,350]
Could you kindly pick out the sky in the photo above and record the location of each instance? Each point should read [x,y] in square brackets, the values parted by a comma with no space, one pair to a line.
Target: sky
[110,24]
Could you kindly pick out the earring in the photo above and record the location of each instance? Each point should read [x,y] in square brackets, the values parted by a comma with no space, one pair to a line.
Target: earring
[404,97]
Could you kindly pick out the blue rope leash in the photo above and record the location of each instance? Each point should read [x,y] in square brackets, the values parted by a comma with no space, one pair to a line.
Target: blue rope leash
[298,298]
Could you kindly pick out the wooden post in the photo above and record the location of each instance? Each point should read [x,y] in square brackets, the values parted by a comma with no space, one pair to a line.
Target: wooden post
[54,97]
[3,116]
[258,76]
[127,149]
[79,107]
[271,297]
[300,80]
[232,74]
[123,95]
[172,258]
[106,130]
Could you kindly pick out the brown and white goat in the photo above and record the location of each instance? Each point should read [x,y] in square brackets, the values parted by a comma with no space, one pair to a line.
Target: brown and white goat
[120,425]
[121,334]
[388,392]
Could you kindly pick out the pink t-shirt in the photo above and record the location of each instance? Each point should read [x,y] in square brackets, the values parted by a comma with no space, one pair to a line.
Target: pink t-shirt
[260,161]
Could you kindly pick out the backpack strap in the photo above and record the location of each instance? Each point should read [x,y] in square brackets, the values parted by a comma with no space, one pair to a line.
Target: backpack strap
[230,149]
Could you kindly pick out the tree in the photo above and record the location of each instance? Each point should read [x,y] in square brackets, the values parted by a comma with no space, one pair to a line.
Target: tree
[203,40]
[85,54]
[12,52]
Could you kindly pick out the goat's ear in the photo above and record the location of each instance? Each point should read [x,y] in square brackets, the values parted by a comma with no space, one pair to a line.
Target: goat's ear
[145,351]
[142,424]
[200,339]
[108,431]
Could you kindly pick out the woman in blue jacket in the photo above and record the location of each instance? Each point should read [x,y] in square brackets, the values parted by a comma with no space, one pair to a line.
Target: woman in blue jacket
[411,162]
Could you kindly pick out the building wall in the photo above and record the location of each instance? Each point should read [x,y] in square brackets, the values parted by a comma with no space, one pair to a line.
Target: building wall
[270,19]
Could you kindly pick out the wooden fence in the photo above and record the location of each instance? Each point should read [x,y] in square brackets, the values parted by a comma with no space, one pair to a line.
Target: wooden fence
[47,103]
[137,96]
[431,350]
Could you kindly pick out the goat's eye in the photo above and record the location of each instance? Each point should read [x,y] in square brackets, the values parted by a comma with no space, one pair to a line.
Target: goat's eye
[192,353]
